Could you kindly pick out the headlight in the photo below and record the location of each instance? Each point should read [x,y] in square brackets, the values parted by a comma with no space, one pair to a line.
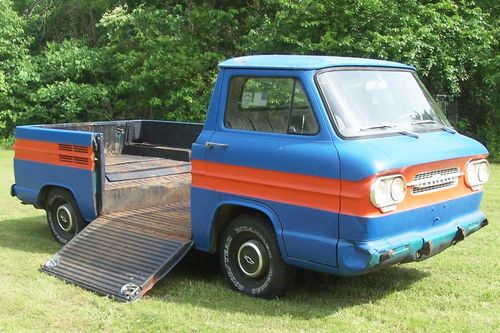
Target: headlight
[477,174]
[386,192]
[484,172]
[398,189]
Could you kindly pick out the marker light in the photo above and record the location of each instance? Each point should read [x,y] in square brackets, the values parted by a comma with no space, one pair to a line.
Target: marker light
[387,192]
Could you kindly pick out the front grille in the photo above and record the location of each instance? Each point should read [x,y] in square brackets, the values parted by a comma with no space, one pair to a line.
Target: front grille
[435,180]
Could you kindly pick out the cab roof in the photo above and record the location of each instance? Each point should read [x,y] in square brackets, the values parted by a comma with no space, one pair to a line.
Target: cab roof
[305,62]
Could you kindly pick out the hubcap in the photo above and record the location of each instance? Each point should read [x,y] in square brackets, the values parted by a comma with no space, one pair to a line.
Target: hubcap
[64,219]
[252,259]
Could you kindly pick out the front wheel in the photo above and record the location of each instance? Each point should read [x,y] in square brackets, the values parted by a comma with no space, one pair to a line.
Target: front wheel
[251,258]
[63,215]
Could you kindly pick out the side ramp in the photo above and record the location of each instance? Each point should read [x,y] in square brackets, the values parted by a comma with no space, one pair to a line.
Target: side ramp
[123,255]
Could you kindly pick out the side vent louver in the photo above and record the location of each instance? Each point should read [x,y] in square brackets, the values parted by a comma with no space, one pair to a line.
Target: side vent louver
[66,158]
[74,148]
[70,158]
[73,159]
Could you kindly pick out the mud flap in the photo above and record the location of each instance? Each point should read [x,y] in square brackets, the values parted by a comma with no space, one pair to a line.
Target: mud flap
[123,255]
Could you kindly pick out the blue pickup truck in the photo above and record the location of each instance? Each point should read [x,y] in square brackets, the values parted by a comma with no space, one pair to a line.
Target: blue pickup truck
[339,165]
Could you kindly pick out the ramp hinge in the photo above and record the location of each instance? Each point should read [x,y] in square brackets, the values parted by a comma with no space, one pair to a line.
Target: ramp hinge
[130,291]
[53,261]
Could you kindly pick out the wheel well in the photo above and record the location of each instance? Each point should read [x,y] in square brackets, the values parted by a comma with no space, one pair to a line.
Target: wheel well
[45,191]
[226,214]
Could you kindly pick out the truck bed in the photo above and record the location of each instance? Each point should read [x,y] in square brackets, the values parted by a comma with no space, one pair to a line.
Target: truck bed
[130,164]
[131,179]
[146,165]
[134,182]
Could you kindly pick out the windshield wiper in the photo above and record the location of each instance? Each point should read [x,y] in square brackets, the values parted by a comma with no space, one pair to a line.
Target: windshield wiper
[448,129]
[404,132]
[376,127]
[430,121]
[409,133]
[421,122]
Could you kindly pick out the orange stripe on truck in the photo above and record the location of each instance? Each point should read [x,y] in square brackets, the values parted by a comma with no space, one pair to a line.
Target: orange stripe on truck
[328,194]
[61,154]
[295,189]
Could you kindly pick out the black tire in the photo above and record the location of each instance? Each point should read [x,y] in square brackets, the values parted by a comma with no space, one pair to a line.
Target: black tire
[63,215]
[242,241]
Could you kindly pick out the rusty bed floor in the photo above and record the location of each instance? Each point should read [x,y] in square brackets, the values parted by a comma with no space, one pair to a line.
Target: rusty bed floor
[122,255]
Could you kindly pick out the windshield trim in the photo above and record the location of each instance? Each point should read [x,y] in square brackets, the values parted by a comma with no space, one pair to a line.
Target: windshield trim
[361,68]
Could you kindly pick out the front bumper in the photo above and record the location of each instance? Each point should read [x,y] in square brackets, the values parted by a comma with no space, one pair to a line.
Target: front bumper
[356,258]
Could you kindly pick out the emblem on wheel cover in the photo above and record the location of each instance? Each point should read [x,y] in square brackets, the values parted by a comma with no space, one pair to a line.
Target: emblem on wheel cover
[249,260]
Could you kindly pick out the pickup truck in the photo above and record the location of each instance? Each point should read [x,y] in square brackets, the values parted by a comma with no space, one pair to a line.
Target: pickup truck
[333,164]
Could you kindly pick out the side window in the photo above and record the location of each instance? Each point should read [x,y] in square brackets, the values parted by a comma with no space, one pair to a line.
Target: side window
[277,105]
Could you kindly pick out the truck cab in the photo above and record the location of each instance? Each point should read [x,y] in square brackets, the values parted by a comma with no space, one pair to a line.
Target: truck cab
[334,164]
[349,160]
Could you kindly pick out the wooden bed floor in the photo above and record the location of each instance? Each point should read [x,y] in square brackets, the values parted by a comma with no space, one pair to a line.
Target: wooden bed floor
[123,159]
[150,181]
[125,163]
[132,167]
[169,221]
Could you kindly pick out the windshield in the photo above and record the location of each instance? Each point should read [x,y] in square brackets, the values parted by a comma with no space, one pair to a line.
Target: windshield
[370,102]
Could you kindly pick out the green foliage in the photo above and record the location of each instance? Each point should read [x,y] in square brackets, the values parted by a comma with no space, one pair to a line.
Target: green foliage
[57,20]
[480,100]
[78,60]
[69,87]
[7,142]
[70,60]
[444,40]
[66,101]
[16,69]
[156,62]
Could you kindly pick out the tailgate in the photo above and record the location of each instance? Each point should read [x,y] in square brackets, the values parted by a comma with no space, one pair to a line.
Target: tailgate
[123,255]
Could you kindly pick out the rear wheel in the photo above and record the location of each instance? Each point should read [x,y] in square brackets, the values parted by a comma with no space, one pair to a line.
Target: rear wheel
[63,215]
[251,259]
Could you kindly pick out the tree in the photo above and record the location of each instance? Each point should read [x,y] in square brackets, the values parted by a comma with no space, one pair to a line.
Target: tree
[72,60]
[17,72]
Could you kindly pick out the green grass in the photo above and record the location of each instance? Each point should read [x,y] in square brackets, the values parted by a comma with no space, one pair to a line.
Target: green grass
[457,290]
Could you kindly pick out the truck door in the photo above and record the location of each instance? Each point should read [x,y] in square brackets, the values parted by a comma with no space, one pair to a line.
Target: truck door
[270,146]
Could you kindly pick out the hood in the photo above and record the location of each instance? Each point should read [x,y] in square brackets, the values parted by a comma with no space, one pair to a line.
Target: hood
[361,158]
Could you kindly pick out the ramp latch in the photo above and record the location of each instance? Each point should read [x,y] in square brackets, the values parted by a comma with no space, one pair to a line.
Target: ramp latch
[130,290]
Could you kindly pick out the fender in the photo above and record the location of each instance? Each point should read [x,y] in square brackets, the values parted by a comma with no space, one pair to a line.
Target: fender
[87,214]
[259,206]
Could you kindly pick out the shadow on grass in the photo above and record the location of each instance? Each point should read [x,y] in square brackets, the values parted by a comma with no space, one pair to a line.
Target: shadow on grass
[313,295]
[28,234]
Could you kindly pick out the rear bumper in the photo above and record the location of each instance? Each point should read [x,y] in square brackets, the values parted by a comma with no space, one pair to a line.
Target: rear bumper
[356,258]
[13,190]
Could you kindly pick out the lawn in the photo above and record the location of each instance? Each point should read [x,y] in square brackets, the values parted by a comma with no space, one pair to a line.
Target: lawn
[457,290]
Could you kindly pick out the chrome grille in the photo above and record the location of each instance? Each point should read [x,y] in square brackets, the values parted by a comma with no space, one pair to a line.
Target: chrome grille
[436,180]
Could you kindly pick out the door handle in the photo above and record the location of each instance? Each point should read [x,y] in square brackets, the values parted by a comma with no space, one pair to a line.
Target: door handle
[216,145]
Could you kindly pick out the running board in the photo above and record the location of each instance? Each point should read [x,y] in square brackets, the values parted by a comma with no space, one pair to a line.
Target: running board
[122,255]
